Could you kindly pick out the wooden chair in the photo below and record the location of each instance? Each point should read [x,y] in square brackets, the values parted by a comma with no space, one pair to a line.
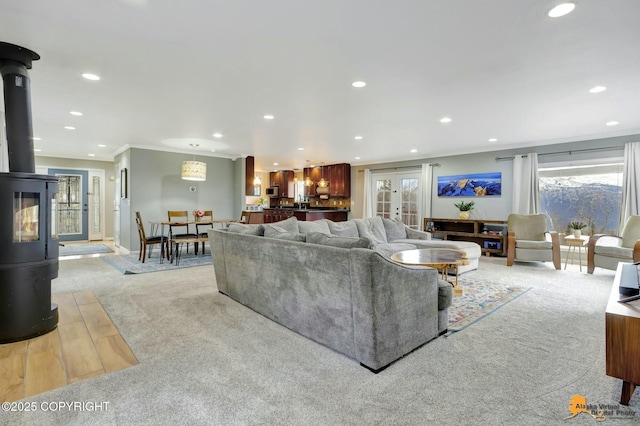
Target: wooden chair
[179,231]
[148,241]
[201,229]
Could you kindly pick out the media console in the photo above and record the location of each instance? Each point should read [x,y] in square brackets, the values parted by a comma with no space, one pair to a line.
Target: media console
[490,235]
[622,323]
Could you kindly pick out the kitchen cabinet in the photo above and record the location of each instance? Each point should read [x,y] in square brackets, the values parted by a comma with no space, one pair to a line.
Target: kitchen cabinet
[338,175]
[284,180]
[249,176]
[276,215]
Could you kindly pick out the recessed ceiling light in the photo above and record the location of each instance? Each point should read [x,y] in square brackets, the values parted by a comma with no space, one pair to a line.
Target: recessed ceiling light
[612,123]
[414,150]
[357,158]
[76,113]
[358,138]
[217,135]
[597,89]
[91,155]
[300,149]
[37,150]
[358,84]
[275,164]
[91,77]
[37,139]
[445,120]
[69,127]
[561,10]
[102,146]
[269,117]
[493,140]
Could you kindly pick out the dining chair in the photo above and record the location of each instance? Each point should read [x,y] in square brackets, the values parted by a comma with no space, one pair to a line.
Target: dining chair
[202,228]
[149,241]
[180,230]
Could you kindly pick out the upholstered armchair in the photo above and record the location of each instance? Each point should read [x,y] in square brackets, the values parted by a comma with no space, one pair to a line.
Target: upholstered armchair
[605,251]
[528,240]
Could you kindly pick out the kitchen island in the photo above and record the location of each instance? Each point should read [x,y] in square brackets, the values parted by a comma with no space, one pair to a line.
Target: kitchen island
[282,213]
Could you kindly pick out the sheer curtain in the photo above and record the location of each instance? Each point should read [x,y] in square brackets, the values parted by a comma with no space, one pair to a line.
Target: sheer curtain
[526,192]
[630,189]
[368,209]
[427,184]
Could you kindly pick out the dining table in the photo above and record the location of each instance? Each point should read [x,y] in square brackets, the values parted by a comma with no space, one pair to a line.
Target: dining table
[155,225]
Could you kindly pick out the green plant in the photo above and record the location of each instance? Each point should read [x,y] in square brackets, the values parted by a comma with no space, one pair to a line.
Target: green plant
[465,207]
[577,225]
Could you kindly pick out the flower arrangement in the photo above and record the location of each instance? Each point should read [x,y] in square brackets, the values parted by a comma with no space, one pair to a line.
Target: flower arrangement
[577,225]
[465,207]
[197,214]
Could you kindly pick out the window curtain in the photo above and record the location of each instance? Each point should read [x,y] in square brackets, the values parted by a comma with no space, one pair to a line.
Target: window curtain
[368,209]
[427,185]
[630,189]
[526,192]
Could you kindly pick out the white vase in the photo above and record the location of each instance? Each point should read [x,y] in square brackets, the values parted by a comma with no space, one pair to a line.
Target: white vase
[576,233]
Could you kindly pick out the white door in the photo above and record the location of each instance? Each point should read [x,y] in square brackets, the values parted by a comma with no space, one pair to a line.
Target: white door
[398,195]
[116,207]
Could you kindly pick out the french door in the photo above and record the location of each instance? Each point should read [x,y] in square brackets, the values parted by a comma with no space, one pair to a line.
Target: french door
[397,195]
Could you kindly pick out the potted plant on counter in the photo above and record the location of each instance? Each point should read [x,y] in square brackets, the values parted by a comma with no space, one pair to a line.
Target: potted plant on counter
[465,208]
[576,228]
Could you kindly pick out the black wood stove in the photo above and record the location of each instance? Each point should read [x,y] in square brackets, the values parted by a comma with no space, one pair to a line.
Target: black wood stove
[28,240]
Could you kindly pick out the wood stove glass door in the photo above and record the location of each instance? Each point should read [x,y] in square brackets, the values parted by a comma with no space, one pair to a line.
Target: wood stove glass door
[72,204]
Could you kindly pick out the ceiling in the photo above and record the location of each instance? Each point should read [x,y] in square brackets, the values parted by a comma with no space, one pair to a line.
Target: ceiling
[173,73]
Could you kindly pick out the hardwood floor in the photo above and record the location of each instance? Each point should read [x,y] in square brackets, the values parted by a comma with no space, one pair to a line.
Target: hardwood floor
[85,344]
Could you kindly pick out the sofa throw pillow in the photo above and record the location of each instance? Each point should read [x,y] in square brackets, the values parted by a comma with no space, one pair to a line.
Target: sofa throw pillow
[335,241]
[372,228]
[271,230]
[343,229]
[290,224]
[241,228]
[313,226]
[394,229]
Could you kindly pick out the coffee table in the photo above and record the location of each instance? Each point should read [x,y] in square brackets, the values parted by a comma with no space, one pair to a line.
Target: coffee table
[438,258]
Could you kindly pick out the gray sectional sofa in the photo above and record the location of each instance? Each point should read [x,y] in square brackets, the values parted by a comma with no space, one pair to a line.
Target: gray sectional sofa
[338,288]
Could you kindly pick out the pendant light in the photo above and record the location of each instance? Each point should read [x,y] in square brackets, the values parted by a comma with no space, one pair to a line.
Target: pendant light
[322,183]
[257,181]
[194,170]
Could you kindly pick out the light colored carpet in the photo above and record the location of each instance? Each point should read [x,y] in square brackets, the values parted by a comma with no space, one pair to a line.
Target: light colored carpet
[205,359]
[70,249]
[479,299]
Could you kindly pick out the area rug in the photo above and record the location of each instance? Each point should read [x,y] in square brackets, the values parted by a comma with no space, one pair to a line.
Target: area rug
[129,264]
[79,249]
[480,298]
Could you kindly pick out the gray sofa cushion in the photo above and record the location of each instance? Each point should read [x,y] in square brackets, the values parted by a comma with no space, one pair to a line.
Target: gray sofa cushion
[314,226]
[274,231]
[290,224]
[335,241]
[386,250]
[395,230]
[246,229]
[343,229]
[445,294]
[372,228]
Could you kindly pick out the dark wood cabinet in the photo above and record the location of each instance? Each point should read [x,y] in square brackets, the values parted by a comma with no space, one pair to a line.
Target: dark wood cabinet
[276,215]
[314,174]
[249,176]
[283,179]
[338,175]
[490,235]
